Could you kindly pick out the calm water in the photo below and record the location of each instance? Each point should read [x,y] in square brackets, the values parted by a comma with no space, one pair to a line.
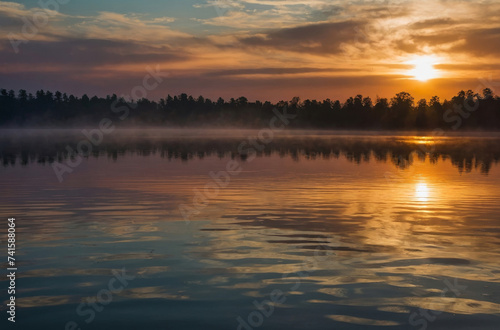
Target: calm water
[342,232]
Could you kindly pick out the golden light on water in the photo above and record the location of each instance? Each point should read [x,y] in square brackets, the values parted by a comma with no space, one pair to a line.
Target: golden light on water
[422,192]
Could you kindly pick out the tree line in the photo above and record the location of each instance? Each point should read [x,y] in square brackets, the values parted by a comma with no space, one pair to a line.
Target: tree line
[467,110]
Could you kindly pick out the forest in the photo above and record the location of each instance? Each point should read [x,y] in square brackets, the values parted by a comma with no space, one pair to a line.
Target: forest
[466,110]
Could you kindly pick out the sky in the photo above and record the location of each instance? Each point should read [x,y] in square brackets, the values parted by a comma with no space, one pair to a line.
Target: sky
[262,49]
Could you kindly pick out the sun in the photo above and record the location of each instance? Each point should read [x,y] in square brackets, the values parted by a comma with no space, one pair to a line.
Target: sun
[423,68]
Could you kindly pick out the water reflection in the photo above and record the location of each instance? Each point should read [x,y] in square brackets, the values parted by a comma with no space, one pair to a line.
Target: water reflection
[349,246]
[46,146]
[422,192]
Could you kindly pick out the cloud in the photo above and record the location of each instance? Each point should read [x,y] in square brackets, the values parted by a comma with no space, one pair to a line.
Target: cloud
[471,67]
[432,23]
[13,9]
[9,22]
[220,4]
[273,71]
[324,38]
[481,42]
[105,25]
[16,21]
[242,20]
[84,53]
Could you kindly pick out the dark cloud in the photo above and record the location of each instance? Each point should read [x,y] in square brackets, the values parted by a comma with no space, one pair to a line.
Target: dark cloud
[481,42]
[436,39]
[401,66]
[273,71]
[406,45]
[85,53]
[314,38]
[11,23]
[415,43]
[431,23]
[478,42]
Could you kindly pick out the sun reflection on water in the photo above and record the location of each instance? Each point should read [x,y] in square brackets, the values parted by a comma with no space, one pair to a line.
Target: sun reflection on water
[422,192]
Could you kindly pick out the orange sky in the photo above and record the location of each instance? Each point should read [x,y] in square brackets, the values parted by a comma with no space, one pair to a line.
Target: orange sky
[261,49]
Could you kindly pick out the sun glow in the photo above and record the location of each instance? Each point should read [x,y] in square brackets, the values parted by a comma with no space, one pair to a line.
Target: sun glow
[423,68]
[422,192]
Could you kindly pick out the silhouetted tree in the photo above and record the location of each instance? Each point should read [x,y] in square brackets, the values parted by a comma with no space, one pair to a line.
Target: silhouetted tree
[47,108]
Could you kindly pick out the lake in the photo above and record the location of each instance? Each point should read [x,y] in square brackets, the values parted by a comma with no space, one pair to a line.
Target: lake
[192,229]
